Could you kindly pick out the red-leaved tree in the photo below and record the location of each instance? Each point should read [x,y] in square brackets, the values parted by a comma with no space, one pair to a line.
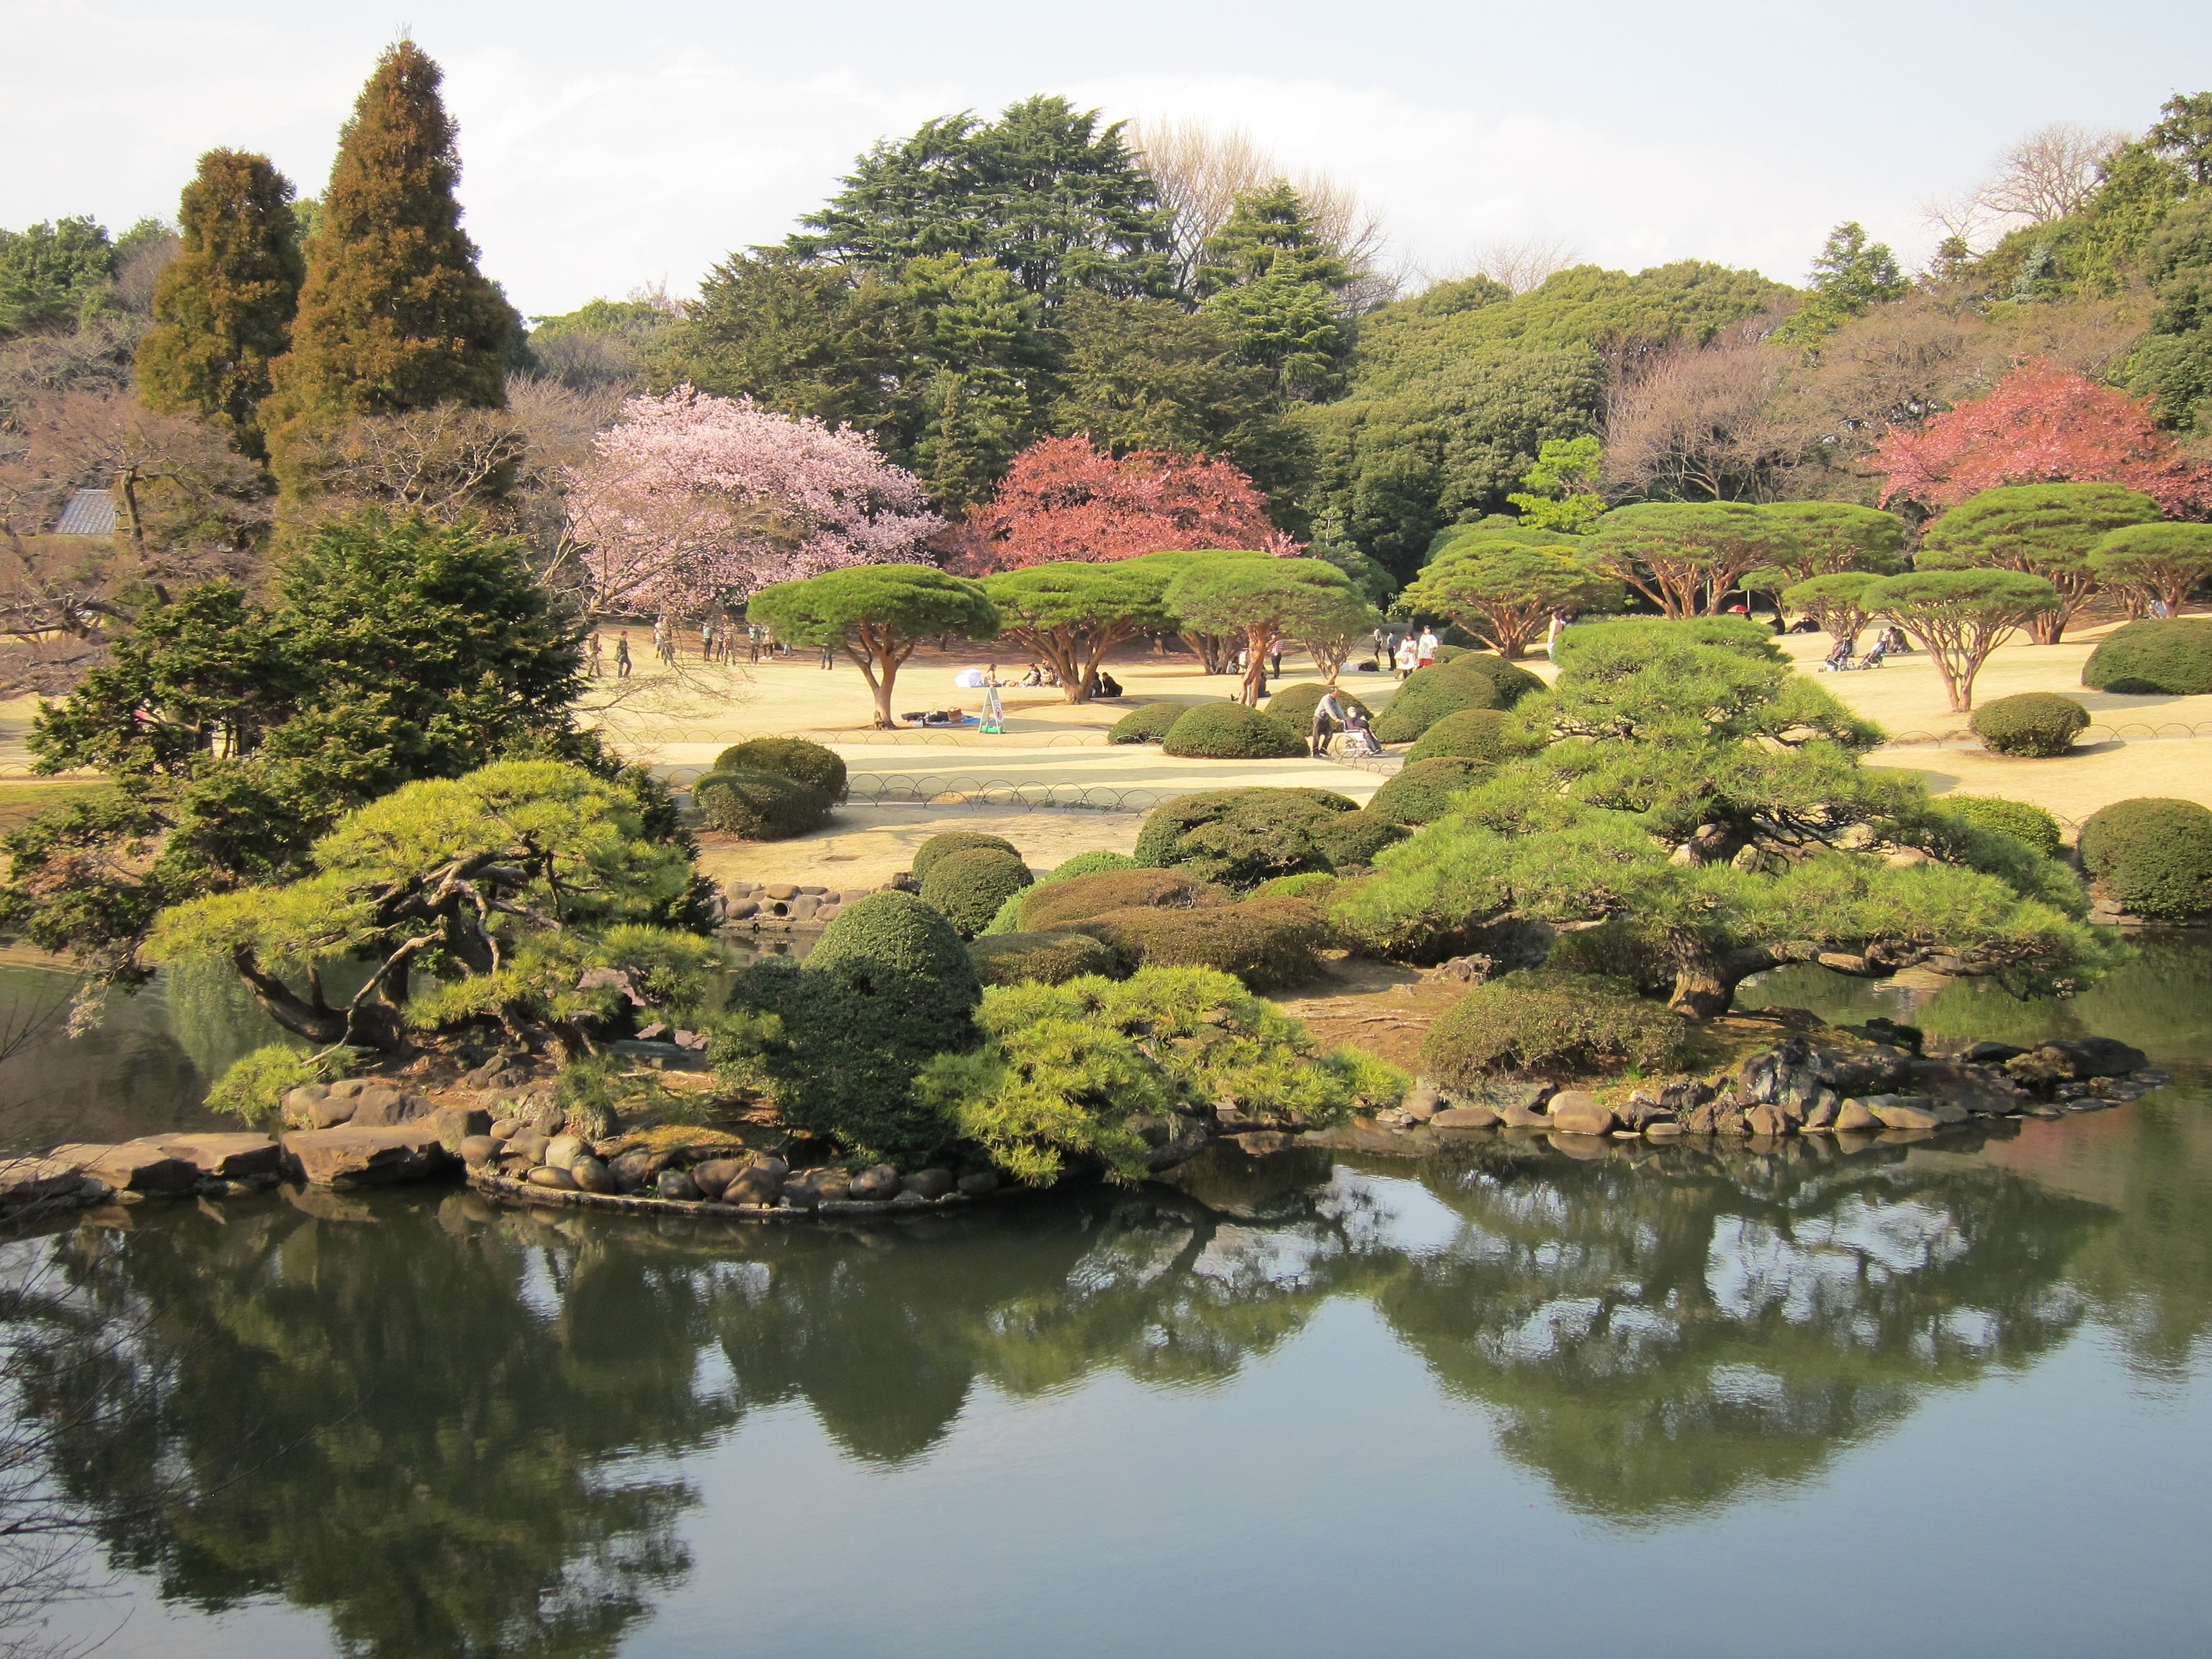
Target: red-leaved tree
[2040,424]
[1064,500]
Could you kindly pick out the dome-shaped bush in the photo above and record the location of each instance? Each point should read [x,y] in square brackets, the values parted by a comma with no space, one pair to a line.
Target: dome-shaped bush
[1353,839]
[2153,855]
[968,886]
[1147,724]
[1088,864]
[1230,730]
[1053,904]
[1294,704]
[887,935]
[1422,792]
[1266,942]
[1045,959]
[1428,695]
[1241,836]
[759,805]
[1476,734]
[2012,818]
[1560,1025]
[2037,724]
[955,841]
[1509,680]
[795,758]
[2170,654]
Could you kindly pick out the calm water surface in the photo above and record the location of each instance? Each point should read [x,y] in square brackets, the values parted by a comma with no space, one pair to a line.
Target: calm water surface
[1948,1398]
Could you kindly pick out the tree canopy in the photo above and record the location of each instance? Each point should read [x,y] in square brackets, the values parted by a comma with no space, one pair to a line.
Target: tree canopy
[2046,530]
[877,614]
[1507,593]
[1072,614]
[1687,557]
[1264,600]
[2163,561]
[1959,616]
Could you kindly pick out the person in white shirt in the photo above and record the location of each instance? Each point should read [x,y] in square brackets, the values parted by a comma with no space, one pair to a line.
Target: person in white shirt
[1428,648]
[1409,656]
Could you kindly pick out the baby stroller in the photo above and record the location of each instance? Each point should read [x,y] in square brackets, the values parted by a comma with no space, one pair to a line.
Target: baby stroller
[1357,741]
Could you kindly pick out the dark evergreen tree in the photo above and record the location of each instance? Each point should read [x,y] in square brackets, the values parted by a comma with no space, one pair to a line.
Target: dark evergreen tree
[53,274]
[223,309]
[2184,131]
[1272,280]
[981,370]
[1850,276]
[394,316]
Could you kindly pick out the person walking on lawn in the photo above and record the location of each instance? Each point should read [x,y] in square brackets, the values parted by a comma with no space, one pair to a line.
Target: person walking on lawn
[1327,716]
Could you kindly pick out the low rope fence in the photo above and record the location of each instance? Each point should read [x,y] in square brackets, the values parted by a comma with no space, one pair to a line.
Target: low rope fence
[2095,733]
[938,737]
[930,789]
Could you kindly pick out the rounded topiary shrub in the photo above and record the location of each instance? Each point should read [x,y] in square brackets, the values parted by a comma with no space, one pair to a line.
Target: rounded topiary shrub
[1044,958]
[1146,724]
[1554,1024]
[1422,792]
[1509,680]
[1230,730]
[1088,864]
[889,935]
[1313,885]
[759,805]
[955,841]
[1242,837]
[1294,704]
[2012,818]
[1352,839]
[1056,903]
[2037,724]
[2153,856]
[1475,735]
[1428,695]
[795,758]
[970,885]
[1266,942]
[2170,654]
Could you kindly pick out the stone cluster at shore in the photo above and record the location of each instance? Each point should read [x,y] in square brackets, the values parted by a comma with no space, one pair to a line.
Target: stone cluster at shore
[1804,1087]
[757,902]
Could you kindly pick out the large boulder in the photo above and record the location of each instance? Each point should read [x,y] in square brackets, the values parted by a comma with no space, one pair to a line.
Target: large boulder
[353,1156]
[1982,1092]
[27,1183]
[233,1156]
[1575,1112]
[144,1165]
[2074,1060]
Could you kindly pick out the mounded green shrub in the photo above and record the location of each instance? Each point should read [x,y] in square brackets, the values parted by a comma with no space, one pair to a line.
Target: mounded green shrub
[1508,679]
[1475,735]
[1611,951]
[1429,694]
[955,841]
[2153,855]
[1268,943]
[1311,885]
[1753,639]
[2172,654]
[836,1042]
[1056,903]
[759,805]
[795,758]
[970,885]
[1041,958]
[2012,818]
[1294,704]
[1147,724]
[1230,730]
[2037,724]
[1564,1025]
[1242,837]
[1088,864]
[1421,793]
[1351,840]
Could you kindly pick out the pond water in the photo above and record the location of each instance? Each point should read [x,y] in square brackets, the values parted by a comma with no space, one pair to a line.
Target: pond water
[1948,1398]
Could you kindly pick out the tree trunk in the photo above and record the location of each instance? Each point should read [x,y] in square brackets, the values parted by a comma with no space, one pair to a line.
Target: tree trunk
[1705,981]
[317,1023]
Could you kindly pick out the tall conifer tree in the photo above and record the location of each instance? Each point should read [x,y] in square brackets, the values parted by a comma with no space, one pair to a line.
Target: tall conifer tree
[223,308]
[395,315]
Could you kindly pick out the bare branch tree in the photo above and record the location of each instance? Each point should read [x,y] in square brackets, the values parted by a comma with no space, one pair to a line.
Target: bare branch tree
[1525,262]
[1710,422]
[2048,174]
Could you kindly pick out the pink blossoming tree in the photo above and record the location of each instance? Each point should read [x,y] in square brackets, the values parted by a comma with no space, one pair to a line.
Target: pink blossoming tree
[2040,424]
[692,501]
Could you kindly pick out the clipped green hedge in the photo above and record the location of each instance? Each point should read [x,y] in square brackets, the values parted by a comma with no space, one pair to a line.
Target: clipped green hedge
[1429,694]
[955,841]
[759,805]
[1508,679]
[1230,730]
[1294,704]
[1042,959]
[970,885]
[2170,654]
[1056,903]
[1475,735]
[1088,864]
[1351,840]
[2036,724]
[795,758]
[1268,943]
[2154,855]
[1242,836]
[1148,724]
[1560,1025]
[1421,793]
[2013,818]
[1311,884]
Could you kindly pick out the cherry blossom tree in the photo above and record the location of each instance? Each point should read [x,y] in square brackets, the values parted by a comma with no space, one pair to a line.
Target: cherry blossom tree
[691,502]
[1065,501]
[2040,424]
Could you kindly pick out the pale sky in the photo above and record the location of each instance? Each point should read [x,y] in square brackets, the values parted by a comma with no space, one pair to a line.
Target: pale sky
[607,147]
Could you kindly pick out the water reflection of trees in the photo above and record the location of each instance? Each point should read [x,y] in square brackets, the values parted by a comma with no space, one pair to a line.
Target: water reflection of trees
[458,1429]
